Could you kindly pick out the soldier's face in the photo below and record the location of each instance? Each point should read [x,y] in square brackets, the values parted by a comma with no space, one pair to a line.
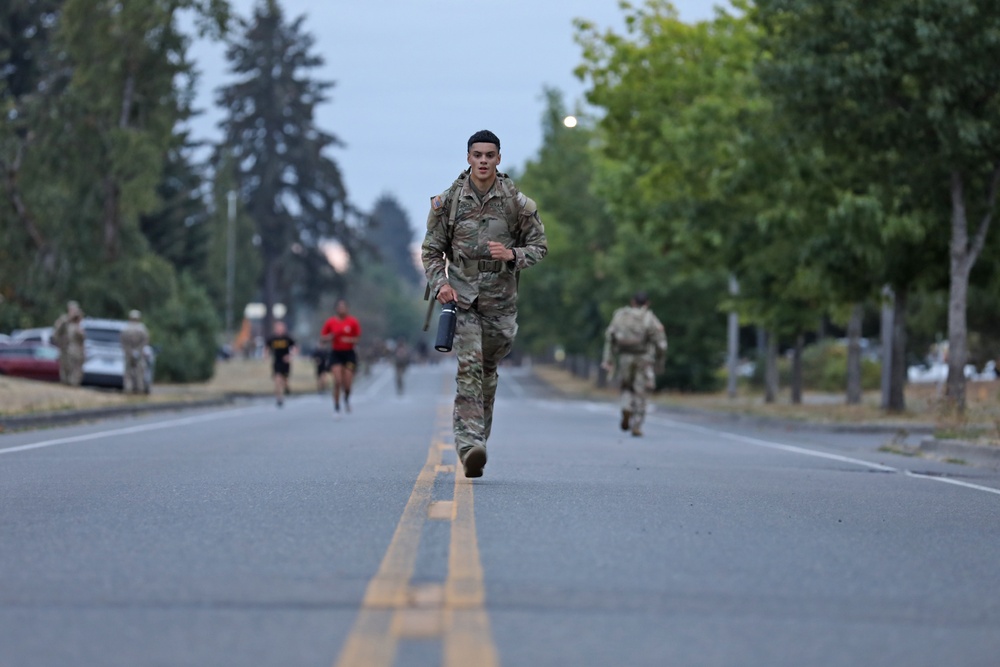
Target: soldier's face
[484,158]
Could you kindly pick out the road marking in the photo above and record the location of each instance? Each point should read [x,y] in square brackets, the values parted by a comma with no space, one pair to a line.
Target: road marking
[393,609]
[143,428]
[775,445]
[948,480]
[467,636]
[372,641]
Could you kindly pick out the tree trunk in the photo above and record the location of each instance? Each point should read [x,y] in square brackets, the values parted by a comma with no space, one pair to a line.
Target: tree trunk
[797,369]
[854,354]
[897,377]
[269,292]
[963,256]
[886,334]
[112,212]
[771,368]
[12,174]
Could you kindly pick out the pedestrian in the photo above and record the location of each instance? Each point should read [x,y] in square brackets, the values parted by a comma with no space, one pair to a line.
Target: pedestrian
[280,346]
[342,332]
[135,338]
[69,337]
[401,360]
[321,357]
[635,347]
[484,231]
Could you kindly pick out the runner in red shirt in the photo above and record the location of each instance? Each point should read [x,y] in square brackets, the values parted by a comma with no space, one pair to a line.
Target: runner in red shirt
[342,331]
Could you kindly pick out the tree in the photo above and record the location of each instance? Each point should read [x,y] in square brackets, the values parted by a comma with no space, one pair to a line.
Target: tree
[287,184]
[561,300]
[390,236]
[905,88]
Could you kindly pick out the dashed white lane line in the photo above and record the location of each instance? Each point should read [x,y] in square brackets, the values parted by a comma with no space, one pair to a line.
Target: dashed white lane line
[142,428]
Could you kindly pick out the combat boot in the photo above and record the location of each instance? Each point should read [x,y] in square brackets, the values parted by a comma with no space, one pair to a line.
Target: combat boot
[474,460]
[626,417]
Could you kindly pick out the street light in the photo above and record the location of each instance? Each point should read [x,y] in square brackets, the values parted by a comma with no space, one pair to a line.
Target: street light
[569,121]
[230,261]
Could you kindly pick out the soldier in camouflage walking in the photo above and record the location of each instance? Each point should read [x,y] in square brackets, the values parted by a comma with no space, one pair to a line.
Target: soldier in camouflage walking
[69,337]
[636,339]
[480,233]
[135,338]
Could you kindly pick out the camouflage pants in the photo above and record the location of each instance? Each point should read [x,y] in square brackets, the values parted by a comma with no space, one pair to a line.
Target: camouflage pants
[71,367]
[134,381]
[637,379]
[481,341]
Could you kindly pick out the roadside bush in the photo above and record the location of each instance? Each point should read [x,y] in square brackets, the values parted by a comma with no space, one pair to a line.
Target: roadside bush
[184,331]
[824,368]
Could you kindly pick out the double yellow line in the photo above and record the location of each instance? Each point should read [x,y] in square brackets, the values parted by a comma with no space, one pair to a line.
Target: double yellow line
[393,609]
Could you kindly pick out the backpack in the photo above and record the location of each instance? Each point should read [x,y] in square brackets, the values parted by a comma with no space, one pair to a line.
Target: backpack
[630,331]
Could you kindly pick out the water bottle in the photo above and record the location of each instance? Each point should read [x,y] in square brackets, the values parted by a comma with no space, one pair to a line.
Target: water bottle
[446,327]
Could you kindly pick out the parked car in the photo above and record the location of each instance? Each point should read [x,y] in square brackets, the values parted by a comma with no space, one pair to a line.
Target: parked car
[32,361]
[104,360]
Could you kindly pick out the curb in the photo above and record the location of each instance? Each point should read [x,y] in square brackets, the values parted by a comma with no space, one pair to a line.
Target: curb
[790,424]
[959,449]
[49,419]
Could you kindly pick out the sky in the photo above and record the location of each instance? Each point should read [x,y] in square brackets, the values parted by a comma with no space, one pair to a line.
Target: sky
[414,79]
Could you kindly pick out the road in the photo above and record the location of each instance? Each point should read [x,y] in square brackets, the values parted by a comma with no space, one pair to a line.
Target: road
[263,536]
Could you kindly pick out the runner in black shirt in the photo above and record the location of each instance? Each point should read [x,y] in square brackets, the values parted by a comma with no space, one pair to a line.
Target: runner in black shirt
[280,346]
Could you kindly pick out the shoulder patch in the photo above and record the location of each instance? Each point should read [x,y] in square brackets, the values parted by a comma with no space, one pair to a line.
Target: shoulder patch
[437,203]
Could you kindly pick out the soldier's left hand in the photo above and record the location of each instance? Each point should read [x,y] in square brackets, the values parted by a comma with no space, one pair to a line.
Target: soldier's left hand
[500,251]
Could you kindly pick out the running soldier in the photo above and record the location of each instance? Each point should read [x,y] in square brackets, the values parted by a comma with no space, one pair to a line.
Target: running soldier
[280,346]
[636,339]
[480,233]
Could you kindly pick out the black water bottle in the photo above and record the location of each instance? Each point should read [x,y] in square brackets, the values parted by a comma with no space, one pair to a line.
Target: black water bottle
[446,327]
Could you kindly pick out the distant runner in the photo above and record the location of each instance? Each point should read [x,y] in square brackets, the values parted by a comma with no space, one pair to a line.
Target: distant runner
[342,331]
[280,346]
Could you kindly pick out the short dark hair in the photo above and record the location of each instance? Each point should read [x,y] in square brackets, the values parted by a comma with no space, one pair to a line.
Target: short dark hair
[483,137]
[641,298]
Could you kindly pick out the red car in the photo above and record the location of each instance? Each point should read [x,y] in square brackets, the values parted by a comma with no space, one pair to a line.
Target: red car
[34,362]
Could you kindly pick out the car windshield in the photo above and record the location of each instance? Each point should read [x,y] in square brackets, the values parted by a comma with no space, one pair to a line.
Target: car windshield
[105,336]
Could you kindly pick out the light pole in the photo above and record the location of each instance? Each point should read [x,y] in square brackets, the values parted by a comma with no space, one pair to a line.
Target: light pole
[230,262]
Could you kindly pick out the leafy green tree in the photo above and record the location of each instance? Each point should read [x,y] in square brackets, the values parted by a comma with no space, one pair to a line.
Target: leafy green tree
[907,88]
[560,301]
[286,182]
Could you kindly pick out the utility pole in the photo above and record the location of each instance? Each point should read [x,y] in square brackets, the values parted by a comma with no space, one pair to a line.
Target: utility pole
[733,351]
[230,262]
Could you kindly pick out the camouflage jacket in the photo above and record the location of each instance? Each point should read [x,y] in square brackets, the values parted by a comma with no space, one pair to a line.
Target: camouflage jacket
[457,253]
[635,330]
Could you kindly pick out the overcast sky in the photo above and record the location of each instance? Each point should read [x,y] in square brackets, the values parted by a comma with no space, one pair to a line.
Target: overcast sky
[413,79]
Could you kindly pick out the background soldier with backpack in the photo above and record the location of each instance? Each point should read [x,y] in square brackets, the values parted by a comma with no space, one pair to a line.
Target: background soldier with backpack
[480,232]
[636,338]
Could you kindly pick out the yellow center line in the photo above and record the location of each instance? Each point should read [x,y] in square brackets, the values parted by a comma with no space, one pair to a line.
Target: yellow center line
[393,609]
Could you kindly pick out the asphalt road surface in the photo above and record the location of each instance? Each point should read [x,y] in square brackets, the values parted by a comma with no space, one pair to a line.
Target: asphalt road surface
[263,536]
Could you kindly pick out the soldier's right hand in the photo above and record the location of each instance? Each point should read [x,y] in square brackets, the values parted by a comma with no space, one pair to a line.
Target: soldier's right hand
[447,294]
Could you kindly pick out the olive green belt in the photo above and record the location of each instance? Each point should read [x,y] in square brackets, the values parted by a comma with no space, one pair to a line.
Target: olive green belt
[484,265]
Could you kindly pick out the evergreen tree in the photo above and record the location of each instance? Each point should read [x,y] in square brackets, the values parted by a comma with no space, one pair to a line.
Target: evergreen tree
[390,236]
[287,184]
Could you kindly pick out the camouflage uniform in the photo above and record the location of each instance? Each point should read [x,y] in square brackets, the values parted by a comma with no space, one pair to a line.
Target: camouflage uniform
[486,288]
[636,337]
[69,337]
[135,338]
